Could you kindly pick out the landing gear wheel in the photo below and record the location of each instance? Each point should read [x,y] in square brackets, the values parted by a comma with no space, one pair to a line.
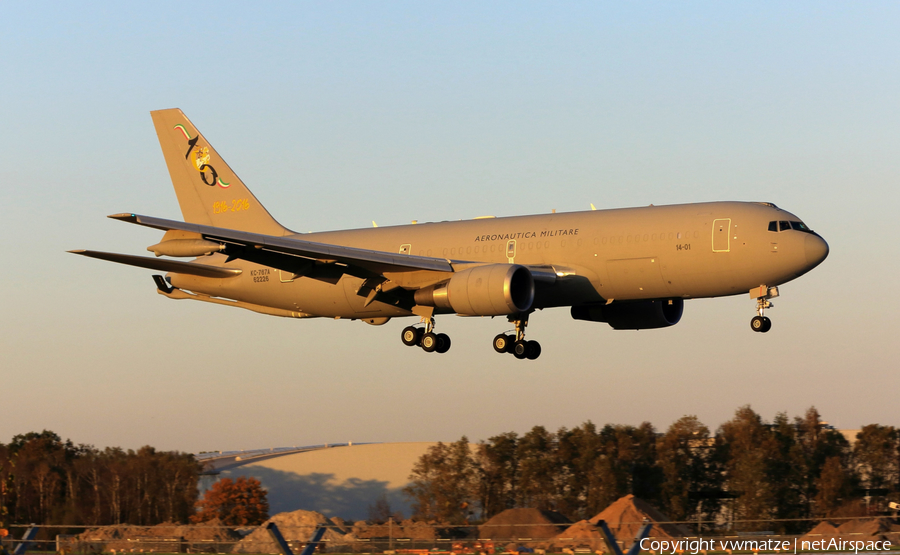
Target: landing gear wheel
[767,324]
[429,342]
[520,349]
[443,343]
[532,350]
[758,323]
[502,343]
[410,336]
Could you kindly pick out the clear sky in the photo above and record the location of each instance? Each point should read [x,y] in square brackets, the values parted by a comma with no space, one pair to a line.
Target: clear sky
[336,114]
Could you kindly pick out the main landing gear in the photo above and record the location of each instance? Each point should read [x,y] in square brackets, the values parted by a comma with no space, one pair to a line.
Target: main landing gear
[426,338]
[762,294]
[516,344]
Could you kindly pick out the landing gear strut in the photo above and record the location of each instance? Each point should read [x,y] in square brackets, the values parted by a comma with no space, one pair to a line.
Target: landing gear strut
[425,337]
[762,294]
[516,344]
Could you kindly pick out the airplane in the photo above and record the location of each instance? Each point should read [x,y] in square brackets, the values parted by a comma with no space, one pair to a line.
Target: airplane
[631,268]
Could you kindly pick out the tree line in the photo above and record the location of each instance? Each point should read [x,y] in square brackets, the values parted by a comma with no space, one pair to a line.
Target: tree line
[45,480]
[747,470]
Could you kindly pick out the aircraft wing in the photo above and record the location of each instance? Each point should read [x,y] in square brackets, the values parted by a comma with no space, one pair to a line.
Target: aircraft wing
[255,247]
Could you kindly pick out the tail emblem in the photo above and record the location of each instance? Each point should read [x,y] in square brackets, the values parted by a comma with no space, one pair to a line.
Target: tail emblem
[201,159]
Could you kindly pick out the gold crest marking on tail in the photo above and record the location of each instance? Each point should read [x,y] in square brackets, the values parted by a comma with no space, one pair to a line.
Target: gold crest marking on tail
[208,191]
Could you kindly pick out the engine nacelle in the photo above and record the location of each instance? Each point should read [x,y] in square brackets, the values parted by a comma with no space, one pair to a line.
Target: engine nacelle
[638,315]
[490,290]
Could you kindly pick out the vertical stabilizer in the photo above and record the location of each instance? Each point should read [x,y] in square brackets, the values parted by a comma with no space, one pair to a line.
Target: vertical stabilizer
[208,191]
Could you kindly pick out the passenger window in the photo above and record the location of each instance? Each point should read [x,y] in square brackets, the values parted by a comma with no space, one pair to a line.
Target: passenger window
[773,226]
[782,226]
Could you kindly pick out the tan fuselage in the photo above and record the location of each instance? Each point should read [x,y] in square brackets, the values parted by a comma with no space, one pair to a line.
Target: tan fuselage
[655,252]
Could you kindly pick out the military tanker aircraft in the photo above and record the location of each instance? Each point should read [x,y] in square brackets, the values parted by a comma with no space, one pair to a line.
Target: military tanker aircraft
[631,268]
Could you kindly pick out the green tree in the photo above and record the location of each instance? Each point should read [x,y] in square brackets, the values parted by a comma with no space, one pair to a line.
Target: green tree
[816,443]
[690,473]
[833,487]
[785,470]
[497,467]
[877,455]
[443,483]
[626,463]
[745,448]
[536,453]
[577,453]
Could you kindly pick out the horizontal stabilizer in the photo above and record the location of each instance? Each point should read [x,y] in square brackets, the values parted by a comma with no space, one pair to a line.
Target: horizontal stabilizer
[163,265]
[375,261]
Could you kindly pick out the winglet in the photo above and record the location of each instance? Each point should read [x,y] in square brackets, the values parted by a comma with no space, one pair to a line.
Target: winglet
[125,217]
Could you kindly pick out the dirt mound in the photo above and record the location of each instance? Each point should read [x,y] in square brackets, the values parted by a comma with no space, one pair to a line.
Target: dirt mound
[167,537]
[865,527]
[823,530]
[416,531]
[581,535]
[524,523]
[626,516]
[296,527]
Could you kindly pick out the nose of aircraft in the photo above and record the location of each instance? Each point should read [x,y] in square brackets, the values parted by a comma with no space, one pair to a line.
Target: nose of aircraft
[816,250]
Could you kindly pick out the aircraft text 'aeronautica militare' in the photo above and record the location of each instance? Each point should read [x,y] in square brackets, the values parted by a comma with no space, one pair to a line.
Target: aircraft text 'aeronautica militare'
[631,268]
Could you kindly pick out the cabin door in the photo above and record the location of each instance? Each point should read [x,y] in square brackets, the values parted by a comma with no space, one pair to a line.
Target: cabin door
[721,235]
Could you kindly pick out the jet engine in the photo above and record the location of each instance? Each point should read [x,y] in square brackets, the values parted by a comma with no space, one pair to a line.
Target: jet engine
[490,290]
[638,315]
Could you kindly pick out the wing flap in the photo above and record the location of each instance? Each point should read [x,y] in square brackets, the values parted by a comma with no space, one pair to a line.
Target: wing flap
[162,264]
[371,260]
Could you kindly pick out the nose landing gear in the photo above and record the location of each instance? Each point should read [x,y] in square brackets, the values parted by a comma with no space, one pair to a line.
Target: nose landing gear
[516,344]
[425,337]
[762,294]
[761,324]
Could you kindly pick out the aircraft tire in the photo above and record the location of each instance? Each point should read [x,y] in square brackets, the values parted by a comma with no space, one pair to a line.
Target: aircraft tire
[757,323]
[532,350]
[429,342]
[520,349]
[502,344]
[767,325]
[410,336]
[443,343]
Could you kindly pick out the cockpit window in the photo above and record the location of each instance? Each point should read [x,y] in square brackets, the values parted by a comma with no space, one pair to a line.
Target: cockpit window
[784,226]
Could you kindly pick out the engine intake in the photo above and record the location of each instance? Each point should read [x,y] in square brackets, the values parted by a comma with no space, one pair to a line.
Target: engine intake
[490,290]
[638,315]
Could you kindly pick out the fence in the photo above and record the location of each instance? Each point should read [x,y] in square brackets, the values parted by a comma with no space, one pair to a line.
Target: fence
[435,539]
